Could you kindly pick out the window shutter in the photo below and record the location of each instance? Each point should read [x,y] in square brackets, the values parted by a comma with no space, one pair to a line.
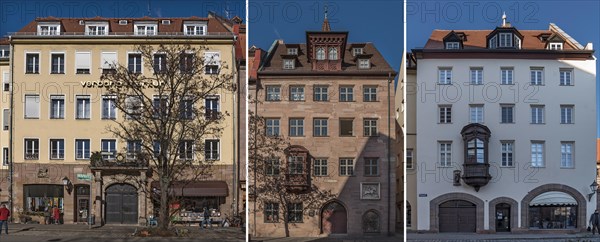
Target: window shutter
[82,60]
[32,106]
[108,59]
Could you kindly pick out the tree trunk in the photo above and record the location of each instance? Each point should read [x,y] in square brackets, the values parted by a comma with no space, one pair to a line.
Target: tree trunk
[287,229]
[164,218]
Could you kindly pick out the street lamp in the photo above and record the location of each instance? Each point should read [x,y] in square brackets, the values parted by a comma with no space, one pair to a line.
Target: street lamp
[594,188]
[67,183]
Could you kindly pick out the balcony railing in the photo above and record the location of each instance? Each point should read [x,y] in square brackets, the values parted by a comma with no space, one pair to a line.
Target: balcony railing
[30,156]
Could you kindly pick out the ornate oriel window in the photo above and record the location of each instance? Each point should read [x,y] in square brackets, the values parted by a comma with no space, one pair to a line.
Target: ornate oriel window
[297,172]
[476,165]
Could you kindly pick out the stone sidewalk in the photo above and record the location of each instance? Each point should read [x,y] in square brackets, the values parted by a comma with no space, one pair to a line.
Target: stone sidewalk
[498,237]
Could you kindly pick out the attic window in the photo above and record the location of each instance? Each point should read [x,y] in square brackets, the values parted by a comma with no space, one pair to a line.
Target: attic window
[357,51]
[122,22]
[288,64]
[364,64]
[81,22]
[292,51]
[166,22]
[555,46]
[49,29]
[452,45]
[506,40]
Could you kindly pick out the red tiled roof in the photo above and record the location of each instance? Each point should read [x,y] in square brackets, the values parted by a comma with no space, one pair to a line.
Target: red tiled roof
[4,41]
[476,39]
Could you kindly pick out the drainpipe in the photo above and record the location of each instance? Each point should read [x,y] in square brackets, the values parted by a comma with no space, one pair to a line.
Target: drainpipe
[389,155]
[10,134]
[255,147]
[235,185]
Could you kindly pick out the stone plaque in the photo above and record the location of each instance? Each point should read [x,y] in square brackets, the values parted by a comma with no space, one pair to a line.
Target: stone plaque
[370,190]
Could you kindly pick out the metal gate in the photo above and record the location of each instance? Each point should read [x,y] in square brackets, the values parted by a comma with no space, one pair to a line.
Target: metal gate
[458,216]
[121,204]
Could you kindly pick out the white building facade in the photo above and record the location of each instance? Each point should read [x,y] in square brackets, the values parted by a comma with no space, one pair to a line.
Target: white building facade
[505,132]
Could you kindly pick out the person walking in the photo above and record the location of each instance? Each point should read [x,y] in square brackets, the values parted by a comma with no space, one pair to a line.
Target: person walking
[595,221]
[56,215]
[4,214]
[206,218]
[47,216]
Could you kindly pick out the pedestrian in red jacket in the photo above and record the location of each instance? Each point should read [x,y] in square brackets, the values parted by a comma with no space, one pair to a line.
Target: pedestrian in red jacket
[56,215]
[4,214]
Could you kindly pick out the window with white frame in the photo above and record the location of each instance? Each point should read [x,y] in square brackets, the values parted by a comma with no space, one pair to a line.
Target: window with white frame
[537,114]
[32,149]
[160,106]
[296,93]
[320,127]
[476,113]
[506,40]
[320,167]
[273,93]
[566,114]
[507,112]
[145,29]
[134,63]
[108,149]
[346,94]
[83,107]
[48,29]
[452,45]
[195,28]
[537,153]
[370,93]
[32,63]
[211,149]
[364,64]
[346,166]
[32,106]
[289,64]
[6,81]
[57,106]
[444,75]
[333,53]
[82,62]
[371,166]
[211,107]
[321,93]
[186,108]
[296,127]
[537,76]
[370,127]
[109,108]
[186,63]
[160,63]
[292,51]
[566,76]
[82,149]
[409,159]
[506,75]
[493,42]
[566,154]
[507,149]
[320,53]
[445,153]
[212,62]
[134,148]
[57,63]
[5,119]
[357,51]
[445,112]
[272,127]
[96,29]
[476,74]
[5,156]
[186,150]
[555,46]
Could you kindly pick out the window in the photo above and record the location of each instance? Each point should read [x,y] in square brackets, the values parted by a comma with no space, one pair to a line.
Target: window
[212,108]
[83,107]
[320,93]
[82,149]
[333,53]
[109,62]
[537,114]
[49,29]
[122,22]
[134,63]
[506,40]
[5,156]
[186,150]
[506,74]
[292,51]
[296,165]
[296,93]
[409,159]
[109,109]
[39,198]
[476,75]
[507,153]
[566,154]
[133,107]
[108,149]
[32,65]
[57,106]
[289,64]
[371,167]
[58,64]
[272,167]
[537,154]
[5,119]
[537,76]
[346,127]
[82,62]
[320,127]
[156,148]
[357,51]
[555,46]
[6,81]
[508,113]
[186,108]
[160,63]
[476,113]
[475,150]
[159,106]
[566,77]
[296,127]
[566,114]
[134,148]
[321,53]
[212,62]
[32,149]
[145,29]
[320,167]
[186,63]
[96,30]
[493,42]
[452,45]
[445,114]
[370,93]
[445,151]
[445,76]
[295,212]
[370,127]
[364,64]
[211,149]
[273,93]
[195,29]
[346,94]
[32,106]
[271,212]
[346,166]
[272,127]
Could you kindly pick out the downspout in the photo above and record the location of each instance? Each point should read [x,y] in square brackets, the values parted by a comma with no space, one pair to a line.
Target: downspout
[235,185]
[10,134]
[389,156]
[255,152]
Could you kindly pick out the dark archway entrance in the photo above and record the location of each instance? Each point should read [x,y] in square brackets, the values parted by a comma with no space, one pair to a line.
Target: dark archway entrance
[121,204]
[458,216]
[503,217]
[334,219]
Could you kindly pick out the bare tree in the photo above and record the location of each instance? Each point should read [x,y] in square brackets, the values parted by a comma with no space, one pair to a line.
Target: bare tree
[168,113]
[280,183]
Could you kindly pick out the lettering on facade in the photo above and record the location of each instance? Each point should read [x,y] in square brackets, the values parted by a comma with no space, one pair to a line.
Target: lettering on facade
[143,84]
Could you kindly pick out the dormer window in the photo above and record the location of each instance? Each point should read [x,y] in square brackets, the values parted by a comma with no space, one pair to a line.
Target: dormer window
[321,53]
[49,29]
[195,28]
[357,51]
[292,51]
[364,64]
[145,29]
[452,45]
[123,22]
[96,29]
[555,46]
[289,64]
[506,40]
[333,53]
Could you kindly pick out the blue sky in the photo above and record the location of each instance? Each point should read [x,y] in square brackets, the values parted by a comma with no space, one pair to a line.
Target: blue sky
[377,21]
[578,18]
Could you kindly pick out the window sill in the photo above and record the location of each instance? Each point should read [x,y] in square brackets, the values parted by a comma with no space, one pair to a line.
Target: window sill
[82,159]
[32,73]
[566,85]
[297,136]
[32,117]
[507,166]
[369,101]
[444,123]
[351,101]
[507,84]
[82,118]
[57,158]
[52,73]
[567,123]
[444,83]
[369,136]
[297,101]
[323,101]
[538,166]
[570,167]
[372,175]
[321,136]
[537,123]
[507,122]
[57,117]
[347,136]
[105,118]
[273,100]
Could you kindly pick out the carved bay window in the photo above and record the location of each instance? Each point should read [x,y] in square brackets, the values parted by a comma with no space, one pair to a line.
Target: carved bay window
[476,165]
[297,173]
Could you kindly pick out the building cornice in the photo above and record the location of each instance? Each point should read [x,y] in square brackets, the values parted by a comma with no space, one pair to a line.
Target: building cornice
[503,54]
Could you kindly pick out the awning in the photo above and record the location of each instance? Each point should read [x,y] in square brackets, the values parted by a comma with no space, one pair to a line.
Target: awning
[553,198]
[197,189]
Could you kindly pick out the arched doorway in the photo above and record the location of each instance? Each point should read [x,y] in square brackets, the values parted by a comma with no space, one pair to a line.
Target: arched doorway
[458,216]
[503,217]
[121,204]
[334,219]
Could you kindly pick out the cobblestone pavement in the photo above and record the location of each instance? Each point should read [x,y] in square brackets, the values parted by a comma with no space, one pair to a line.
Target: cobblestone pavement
[397,237]
[501,237]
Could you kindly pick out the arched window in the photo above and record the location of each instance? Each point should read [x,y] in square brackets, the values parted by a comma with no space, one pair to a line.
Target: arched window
[475,150]
[321,53]
[333,53]
[370,222]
